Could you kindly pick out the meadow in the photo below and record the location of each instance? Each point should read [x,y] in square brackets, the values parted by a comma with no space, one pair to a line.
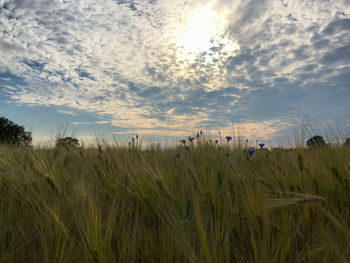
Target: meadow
[200,204]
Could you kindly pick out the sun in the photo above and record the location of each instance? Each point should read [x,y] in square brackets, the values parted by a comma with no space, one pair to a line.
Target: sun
[196,34]
[199,31]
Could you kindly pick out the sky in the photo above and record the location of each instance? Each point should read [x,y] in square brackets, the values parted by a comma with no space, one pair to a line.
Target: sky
[171,67]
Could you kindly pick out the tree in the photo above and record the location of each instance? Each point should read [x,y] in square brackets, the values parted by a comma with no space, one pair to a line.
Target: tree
[347,142]
[11,133]
[67,142]
[316,141]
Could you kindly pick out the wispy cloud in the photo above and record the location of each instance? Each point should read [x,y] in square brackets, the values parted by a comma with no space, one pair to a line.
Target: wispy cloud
[72,113]
[103,122]
[80,123]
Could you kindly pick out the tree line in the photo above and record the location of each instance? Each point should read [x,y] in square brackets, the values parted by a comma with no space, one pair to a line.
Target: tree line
[14,134]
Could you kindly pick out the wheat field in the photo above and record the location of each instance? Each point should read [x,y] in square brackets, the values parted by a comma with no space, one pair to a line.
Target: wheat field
[200,204]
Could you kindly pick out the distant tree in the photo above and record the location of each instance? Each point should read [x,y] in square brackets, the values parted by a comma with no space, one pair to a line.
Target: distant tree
[316,141]
[347,142]
[11,133]
[67,142]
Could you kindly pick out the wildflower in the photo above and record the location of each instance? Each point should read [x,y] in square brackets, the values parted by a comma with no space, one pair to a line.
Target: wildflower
[230,165]
[183,141]
[261,145]
[191,138]
[187,147]
[228,138]
[251,151]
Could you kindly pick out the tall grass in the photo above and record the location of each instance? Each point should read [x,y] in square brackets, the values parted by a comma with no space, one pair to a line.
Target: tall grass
[115,204]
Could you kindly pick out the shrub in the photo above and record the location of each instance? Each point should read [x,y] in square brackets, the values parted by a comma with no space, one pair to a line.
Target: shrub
[316,141]
[347,142]
[67,142]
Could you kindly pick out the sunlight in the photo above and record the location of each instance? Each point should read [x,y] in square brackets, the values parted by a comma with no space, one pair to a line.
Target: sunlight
[198,31]
[202,29]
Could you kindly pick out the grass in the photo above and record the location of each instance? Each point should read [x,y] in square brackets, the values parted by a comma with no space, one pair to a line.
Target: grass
[113,204]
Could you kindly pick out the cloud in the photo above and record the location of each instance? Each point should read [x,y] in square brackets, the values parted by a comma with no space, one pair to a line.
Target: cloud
[122,58]
[339,55]
[80,123]
[103,122]
[337,26]
[72,113]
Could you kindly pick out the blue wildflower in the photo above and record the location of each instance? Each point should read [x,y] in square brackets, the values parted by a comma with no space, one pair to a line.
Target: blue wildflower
[228,138]
[261,145]
[251,151]
[230,165]
[187,147]
[191,138]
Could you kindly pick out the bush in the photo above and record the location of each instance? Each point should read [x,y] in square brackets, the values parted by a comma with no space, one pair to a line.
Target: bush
[67,142]
[316,141]
[11,133]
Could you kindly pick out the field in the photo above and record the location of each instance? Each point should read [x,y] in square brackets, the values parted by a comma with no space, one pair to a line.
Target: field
[202,204]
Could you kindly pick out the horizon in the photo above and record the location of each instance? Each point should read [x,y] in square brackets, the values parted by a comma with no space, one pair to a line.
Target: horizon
[295,137]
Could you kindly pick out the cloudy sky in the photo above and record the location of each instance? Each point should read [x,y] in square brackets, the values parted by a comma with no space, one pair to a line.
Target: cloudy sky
[170,67]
